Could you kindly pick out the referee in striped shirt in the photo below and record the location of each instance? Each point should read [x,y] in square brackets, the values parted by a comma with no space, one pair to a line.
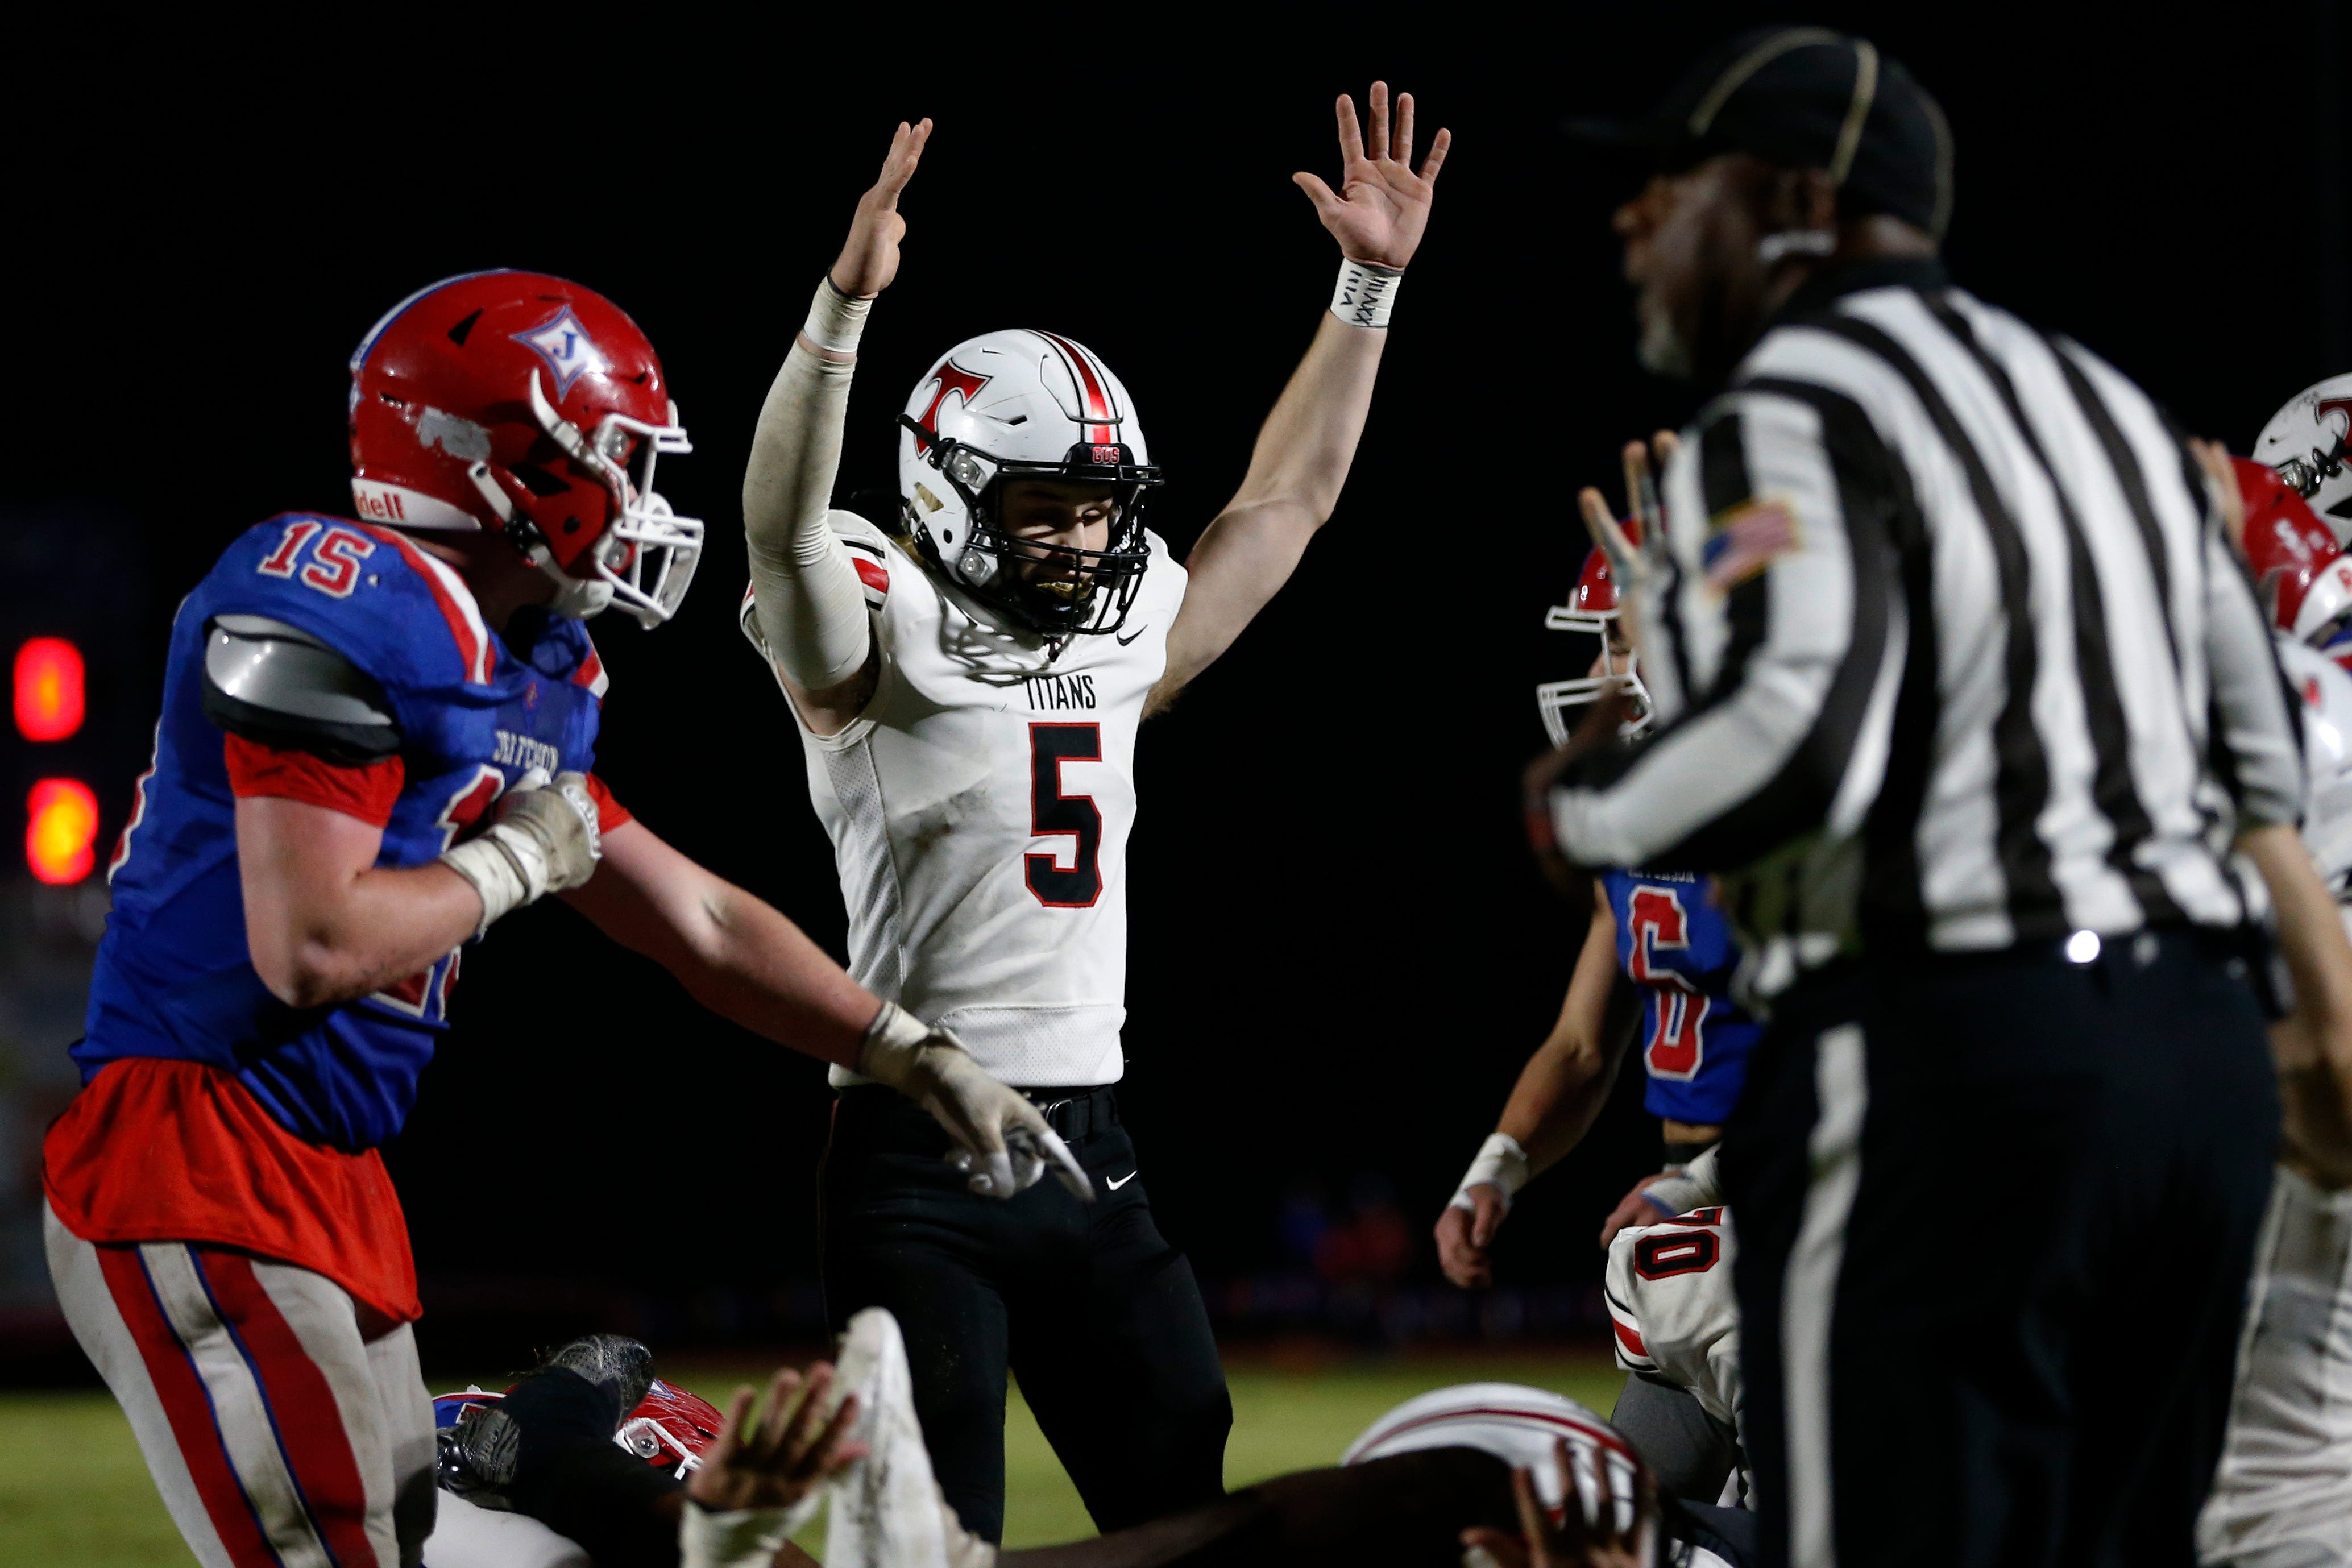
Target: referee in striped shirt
[1965,697]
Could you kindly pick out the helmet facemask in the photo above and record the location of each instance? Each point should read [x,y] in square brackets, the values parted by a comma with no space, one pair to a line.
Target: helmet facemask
[1555,700]
[1089,590]
[645,557]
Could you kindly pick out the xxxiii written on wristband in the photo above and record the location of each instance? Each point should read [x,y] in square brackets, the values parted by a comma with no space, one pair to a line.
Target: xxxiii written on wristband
[1365,293]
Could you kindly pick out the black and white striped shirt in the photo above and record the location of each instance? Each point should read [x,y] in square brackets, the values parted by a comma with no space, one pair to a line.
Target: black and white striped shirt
[1951,649]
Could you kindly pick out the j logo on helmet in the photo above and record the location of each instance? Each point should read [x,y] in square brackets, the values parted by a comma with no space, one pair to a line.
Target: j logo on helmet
[564,345]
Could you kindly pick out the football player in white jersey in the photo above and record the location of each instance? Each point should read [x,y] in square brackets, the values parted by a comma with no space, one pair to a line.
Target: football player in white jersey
[2283,1492]
[1675,1323]
[967,677]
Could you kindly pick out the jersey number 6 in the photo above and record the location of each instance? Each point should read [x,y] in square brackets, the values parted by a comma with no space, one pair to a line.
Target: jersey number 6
[1678,1009]
[1053,812]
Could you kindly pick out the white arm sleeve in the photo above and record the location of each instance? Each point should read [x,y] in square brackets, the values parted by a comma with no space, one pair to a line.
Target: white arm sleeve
[811,609]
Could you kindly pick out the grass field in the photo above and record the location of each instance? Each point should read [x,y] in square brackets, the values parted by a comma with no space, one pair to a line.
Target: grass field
[73,1492]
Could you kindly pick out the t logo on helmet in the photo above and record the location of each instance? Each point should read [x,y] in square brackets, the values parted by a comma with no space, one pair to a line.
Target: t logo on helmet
[951,377]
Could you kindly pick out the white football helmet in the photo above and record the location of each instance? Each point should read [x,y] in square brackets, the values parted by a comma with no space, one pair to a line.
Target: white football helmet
[1593,608]
[2304,441]
[2326,693]
[1024,405]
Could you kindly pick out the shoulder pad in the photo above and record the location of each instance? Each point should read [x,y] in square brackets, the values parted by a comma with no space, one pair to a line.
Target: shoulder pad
[278,685]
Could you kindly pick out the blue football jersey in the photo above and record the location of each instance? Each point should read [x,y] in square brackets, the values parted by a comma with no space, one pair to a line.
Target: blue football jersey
[475,712]
[1677,947]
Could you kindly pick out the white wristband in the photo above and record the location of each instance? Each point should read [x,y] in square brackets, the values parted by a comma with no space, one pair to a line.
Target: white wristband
[1365,293]
[504,868]
[740,1537]
[836,321]
[1501,1164]
[1692,1187]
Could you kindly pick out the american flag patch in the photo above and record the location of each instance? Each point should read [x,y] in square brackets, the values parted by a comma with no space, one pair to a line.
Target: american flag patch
[1744,541]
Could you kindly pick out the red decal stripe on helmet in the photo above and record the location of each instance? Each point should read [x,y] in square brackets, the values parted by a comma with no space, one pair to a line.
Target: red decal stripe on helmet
[1089,385]
[456,603]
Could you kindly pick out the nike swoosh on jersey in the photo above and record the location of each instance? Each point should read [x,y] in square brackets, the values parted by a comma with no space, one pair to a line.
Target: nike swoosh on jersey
[1121,1182]
[1123,641]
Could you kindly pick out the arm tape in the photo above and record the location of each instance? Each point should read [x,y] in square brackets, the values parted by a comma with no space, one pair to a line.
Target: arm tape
[810,605]
[1501,1164]
[1692,1187]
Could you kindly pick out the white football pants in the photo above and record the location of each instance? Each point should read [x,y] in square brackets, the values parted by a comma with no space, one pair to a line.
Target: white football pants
[278,1435]
[2283,1496]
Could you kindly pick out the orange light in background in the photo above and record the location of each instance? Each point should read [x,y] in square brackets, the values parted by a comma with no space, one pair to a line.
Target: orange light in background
[48,689]
[61,831]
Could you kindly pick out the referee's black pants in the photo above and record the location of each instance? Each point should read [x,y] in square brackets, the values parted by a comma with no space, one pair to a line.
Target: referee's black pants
[1996,1216]
[1098,1316]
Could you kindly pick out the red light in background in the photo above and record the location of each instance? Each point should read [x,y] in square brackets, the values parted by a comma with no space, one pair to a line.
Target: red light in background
[60,830]
[48,689]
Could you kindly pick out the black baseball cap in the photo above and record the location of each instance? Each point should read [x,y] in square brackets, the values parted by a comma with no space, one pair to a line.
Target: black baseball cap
[1805,97]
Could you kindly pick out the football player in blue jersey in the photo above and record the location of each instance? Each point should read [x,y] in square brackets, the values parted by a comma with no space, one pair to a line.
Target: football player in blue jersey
[1655,940]
[378,738]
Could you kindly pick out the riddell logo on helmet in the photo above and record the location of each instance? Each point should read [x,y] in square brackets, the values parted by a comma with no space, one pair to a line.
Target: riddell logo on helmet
[378,503]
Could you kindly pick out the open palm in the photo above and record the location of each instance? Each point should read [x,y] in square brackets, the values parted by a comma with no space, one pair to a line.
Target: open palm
[1381,206]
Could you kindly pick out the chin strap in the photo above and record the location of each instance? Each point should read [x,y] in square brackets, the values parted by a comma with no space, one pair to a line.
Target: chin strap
[575,599]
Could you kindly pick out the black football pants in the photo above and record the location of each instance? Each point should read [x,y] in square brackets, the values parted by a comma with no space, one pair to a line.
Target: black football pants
[1097,1315]
[1995,1219]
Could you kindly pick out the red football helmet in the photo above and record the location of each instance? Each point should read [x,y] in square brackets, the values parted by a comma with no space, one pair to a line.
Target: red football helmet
[520,401]
[1592,608]
[2305,577]
[668,1429]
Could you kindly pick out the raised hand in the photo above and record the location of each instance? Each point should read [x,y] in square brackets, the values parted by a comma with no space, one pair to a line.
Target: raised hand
[869,256]
[1381,206]
[779,1460]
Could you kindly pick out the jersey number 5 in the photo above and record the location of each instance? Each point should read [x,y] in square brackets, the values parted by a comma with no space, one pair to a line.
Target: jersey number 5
[1051,813]
[1678,1010]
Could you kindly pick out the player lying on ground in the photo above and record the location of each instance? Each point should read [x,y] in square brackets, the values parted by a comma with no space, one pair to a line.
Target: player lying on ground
[1423,1482]
[378,739]
[967,675]
[2283,1492]
[1655,936]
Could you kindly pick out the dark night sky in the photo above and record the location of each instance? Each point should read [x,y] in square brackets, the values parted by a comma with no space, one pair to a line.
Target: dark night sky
[1340,952]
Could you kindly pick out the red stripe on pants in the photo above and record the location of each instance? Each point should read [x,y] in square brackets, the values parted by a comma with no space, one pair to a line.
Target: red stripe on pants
[189,1408]
[309,1422]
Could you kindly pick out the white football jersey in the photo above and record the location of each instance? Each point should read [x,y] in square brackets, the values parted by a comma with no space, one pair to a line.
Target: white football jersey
[2326,693]
[465,1535]
[2284,1491]
[1672,1307]
[979,809]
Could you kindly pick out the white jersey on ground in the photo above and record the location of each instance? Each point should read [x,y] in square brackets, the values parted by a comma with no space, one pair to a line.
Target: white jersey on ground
[1672,1310]
[468,1536]
[2327,706]
[1518,1426]
[979,809]
[2283,1495]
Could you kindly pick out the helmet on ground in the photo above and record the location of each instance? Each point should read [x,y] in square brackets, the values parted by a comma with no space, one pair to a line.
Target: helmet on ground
[668,1429]
[2303,575]
[1007,407]
[1592,608]
[523,404]
[2304,441]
